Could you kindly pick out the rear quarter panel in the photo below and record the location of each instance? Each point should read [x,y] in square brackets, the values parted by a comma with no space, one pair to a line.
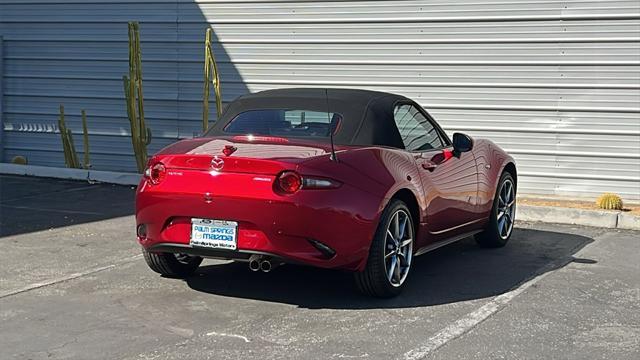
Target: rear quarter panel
[491,161]
[381,172]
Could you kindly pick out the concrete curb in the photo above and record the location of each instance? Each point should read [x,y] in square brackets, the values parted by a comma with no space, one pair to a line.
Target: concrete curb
[559,215]
[71,174]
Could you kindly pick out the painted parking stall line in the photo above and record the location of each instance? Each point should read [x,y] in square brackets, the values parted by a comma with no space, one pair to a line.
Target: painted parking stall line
[471,320]
[60,279]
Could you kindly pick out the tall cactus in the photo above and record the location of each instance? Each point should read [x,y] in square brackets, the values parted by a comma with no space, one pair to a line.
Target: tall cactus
[140,134]
[210,74]
[85,137]
[70,155]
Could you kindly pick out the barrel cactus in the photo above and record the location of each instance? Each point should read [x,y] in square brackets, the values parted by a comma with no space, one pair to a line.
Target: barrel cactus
[609,201]
[18,159]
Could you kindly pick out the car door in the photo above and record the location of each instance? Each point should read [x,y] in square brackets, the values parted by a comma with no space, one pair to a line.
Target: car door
[450,182]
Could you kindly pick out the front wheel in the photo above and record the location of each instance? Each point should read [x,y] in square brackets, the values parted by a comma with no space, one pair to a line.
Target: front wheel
[503,213]
[390,255]
[172,265]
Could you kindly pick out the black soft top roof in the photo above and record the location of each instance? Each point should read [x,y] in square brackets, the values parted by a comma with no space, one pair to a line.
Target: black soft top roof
[367,115]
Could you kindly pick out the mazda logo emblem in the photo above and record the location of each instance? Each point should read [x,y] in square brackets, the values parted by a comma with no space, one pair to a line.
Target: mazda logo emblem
[217,163]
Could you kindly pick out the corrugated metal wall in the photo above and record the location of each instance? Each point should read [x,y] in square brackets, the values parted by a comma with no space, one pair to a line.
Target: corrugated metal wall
[557,83]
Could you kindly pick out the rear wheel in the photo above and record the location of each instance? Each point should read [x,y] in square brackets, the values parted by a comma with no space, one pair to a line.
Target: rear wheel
[500,225]
[172,265]
[390,255]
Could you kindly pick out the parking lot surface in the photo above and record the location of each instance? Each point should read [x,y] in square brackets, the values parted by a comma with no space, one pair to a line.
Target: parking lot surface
[74,286]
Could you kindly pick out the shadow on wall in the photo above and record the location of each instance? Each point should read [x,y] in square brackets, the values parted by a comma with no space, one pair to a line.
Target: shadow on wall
[79,60]
[458,272]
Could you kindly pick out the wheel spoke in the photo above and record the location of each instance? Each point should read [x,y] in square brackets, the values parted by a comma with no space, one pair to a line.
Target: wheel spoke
[389,234]
[501,225]
[508,225]
[403,228]
[396,226]
[405,243]
[397,274]
[402,257]
[500,214]
[392,267]
[509,220]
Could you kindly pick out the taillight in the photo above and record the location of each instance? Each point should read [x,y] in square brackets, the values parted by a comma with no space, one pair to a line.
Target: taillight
[290,182]
[155,173]
[319,183]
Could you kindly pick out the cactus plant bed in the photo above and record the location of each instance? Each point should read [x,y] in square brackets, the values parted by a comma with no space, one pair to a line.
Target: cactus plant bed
[633,209]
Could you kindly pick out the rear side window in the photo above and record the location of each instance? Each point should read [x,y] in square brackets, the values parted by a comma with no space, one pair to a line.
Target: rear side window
[417,132]
[284,123]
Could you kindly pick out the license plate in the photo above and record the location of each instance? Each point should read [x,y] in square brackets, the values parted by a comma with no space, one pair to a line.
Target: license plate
[217,234]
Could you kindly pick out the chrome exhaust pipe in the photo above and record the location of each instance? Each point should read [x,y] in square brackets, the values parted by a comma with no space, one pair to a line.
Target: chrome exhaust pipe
[255,262]
[266,265]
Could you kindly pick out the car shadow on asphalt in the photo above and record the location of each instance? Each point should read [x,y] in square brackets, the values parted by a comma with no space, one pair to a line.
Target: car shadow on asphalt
[458,272]
[29,204]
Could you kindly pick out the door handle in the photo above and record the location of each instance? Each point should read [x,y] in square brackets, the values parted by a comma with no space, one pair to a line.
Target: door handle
[429,166]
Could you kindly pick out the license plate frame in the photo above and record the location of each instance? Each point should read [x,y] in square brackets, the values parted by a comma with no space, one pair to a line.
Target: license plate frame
[214,234]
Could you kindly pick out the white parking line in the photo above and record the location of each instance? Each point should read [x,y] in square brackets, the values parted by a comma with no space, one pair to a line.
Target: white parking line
[463,325]
[244,338]
[66,277]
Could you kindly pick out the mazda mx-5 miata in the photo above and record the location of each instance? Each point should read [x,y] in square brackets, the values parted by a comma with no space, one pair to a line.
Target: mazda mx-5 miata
[333,178]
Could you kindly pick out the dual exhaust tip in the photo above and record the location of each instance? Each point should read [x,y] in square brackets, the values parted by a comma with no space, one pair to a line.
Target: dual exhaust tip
[261,263]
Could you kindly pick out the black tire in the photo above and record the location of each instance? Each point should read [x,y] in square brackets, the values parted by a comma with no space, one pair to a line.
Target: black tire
[492,236]
[172,265]
[373,280]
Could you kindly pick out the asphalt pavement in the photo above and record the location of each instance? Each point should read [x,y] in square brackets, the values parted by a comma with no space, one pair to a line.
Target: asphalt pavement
[73,285]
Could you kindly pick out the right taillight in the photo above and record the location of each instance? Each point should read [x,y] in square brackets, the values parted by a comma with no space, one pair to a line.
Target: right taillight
[155,173]
[290,182]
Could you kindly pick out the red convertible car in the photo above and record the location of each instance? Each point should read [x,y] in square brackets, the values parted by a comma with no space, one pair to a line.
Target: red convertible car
[333,178]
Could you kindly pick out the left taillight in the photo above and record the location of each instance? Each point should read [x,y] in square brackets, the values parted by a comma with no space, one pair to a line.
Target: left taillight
[155,173]
[288,182]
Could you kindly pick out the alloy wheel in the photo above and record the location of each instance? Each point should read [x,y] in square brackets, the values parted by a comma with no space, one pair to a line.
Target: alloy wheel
[506,209]
[398,248]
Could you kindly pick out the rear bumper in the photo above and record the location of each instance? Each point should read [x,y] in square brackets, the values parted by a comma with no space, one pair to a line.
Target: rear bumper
[209,253]
[285,227]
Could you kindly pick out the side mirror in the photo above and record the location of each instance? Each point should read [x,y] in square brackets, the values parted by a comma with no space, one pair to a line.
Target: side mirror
[461,143]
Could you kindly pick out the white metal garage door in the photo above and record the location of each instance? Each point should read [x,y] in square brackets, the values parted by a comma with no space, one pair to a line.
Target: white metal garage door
[557,83]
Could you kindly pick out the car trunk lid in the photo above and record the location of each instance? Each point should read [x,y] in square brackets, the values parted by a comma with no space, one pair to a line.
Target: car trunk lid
[235,155]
